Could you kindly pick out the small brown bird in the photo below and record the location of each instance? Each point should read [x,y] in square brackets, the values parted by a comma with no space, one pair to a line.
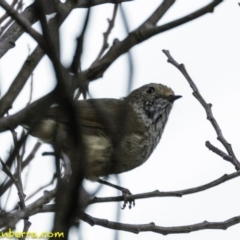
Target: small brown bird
[119,134]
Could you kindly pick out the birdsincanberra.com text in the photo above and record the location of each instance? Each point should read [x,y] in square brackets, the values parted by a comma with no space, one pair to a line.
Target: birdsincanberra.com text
[11,234]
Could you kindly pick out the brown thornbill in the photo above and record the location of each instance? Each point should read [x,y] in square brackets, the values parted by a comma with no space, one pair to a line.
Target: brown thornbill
[119,134]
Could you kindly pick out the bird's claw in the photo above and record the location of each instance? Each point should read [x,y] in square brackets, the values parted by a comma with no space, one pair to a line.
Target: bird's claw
[131,202]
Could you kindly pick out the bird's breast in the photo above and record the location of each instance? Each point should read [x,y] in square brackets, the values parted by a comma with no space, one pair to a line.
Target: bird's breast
[98,153]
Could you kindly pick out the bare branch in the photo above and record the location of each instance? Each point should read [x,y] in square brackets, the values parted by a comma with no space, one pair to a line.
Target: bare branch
[20,80]
[107,33]
[43,187]
[25,163]
[16,178]
[151,227]
[220,153]
[8,172]
[15,31]
[209,8]
[142,33]
[92,3]
[23,23]
[6,25]
[158,13]
[25,72]
[35,208]
[134,228]
[206,106]
[5,15]
[10,219]
[179,193]
[76,63]
[28,112]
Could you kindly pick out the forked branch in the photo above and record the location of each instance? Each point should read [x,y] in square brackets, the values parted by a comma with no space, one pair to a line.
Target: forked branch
[208,108]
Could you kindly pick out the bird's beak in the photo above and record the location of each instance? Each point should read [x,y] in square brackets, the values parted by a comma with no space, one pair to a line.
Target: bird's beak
[172,98]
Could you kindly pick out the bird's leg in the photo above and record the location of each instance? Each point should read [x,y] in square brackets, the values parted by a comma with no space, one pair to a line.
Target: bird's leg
[125,193]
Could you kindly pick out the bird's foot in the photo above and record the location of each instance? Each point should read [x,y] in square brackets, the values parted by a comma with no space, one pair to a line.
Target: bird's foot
[130,202]
[125,193]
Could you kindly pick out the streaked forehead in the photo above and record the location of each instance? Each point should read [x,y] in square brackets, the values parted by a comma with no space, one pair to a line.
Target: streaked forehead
[163,90]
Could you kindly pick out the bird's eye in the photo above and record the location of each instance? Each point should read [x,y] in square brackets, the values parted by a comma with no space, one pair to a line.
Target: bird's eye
[150,90]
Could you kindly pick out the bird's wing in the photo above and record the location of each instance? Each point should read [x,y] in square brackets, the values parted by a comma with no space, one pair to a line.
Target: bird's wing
[92,113]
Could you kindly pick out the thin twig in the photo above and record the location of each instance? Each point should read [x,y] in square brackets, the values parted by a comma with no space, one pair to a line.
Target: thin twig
[7,198]
[5,26]
[15,30]
[206,106]
[18,176]
[129,54]
[41,188]
[142,33]
[157,193]
[26,226]
[35,208]
[8,172]
[106,34]
[38,207]
[18,186]
[25,163]
[5,15]
[23,23]
[10,219]
[151,227]
[76,65]
[219,152]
